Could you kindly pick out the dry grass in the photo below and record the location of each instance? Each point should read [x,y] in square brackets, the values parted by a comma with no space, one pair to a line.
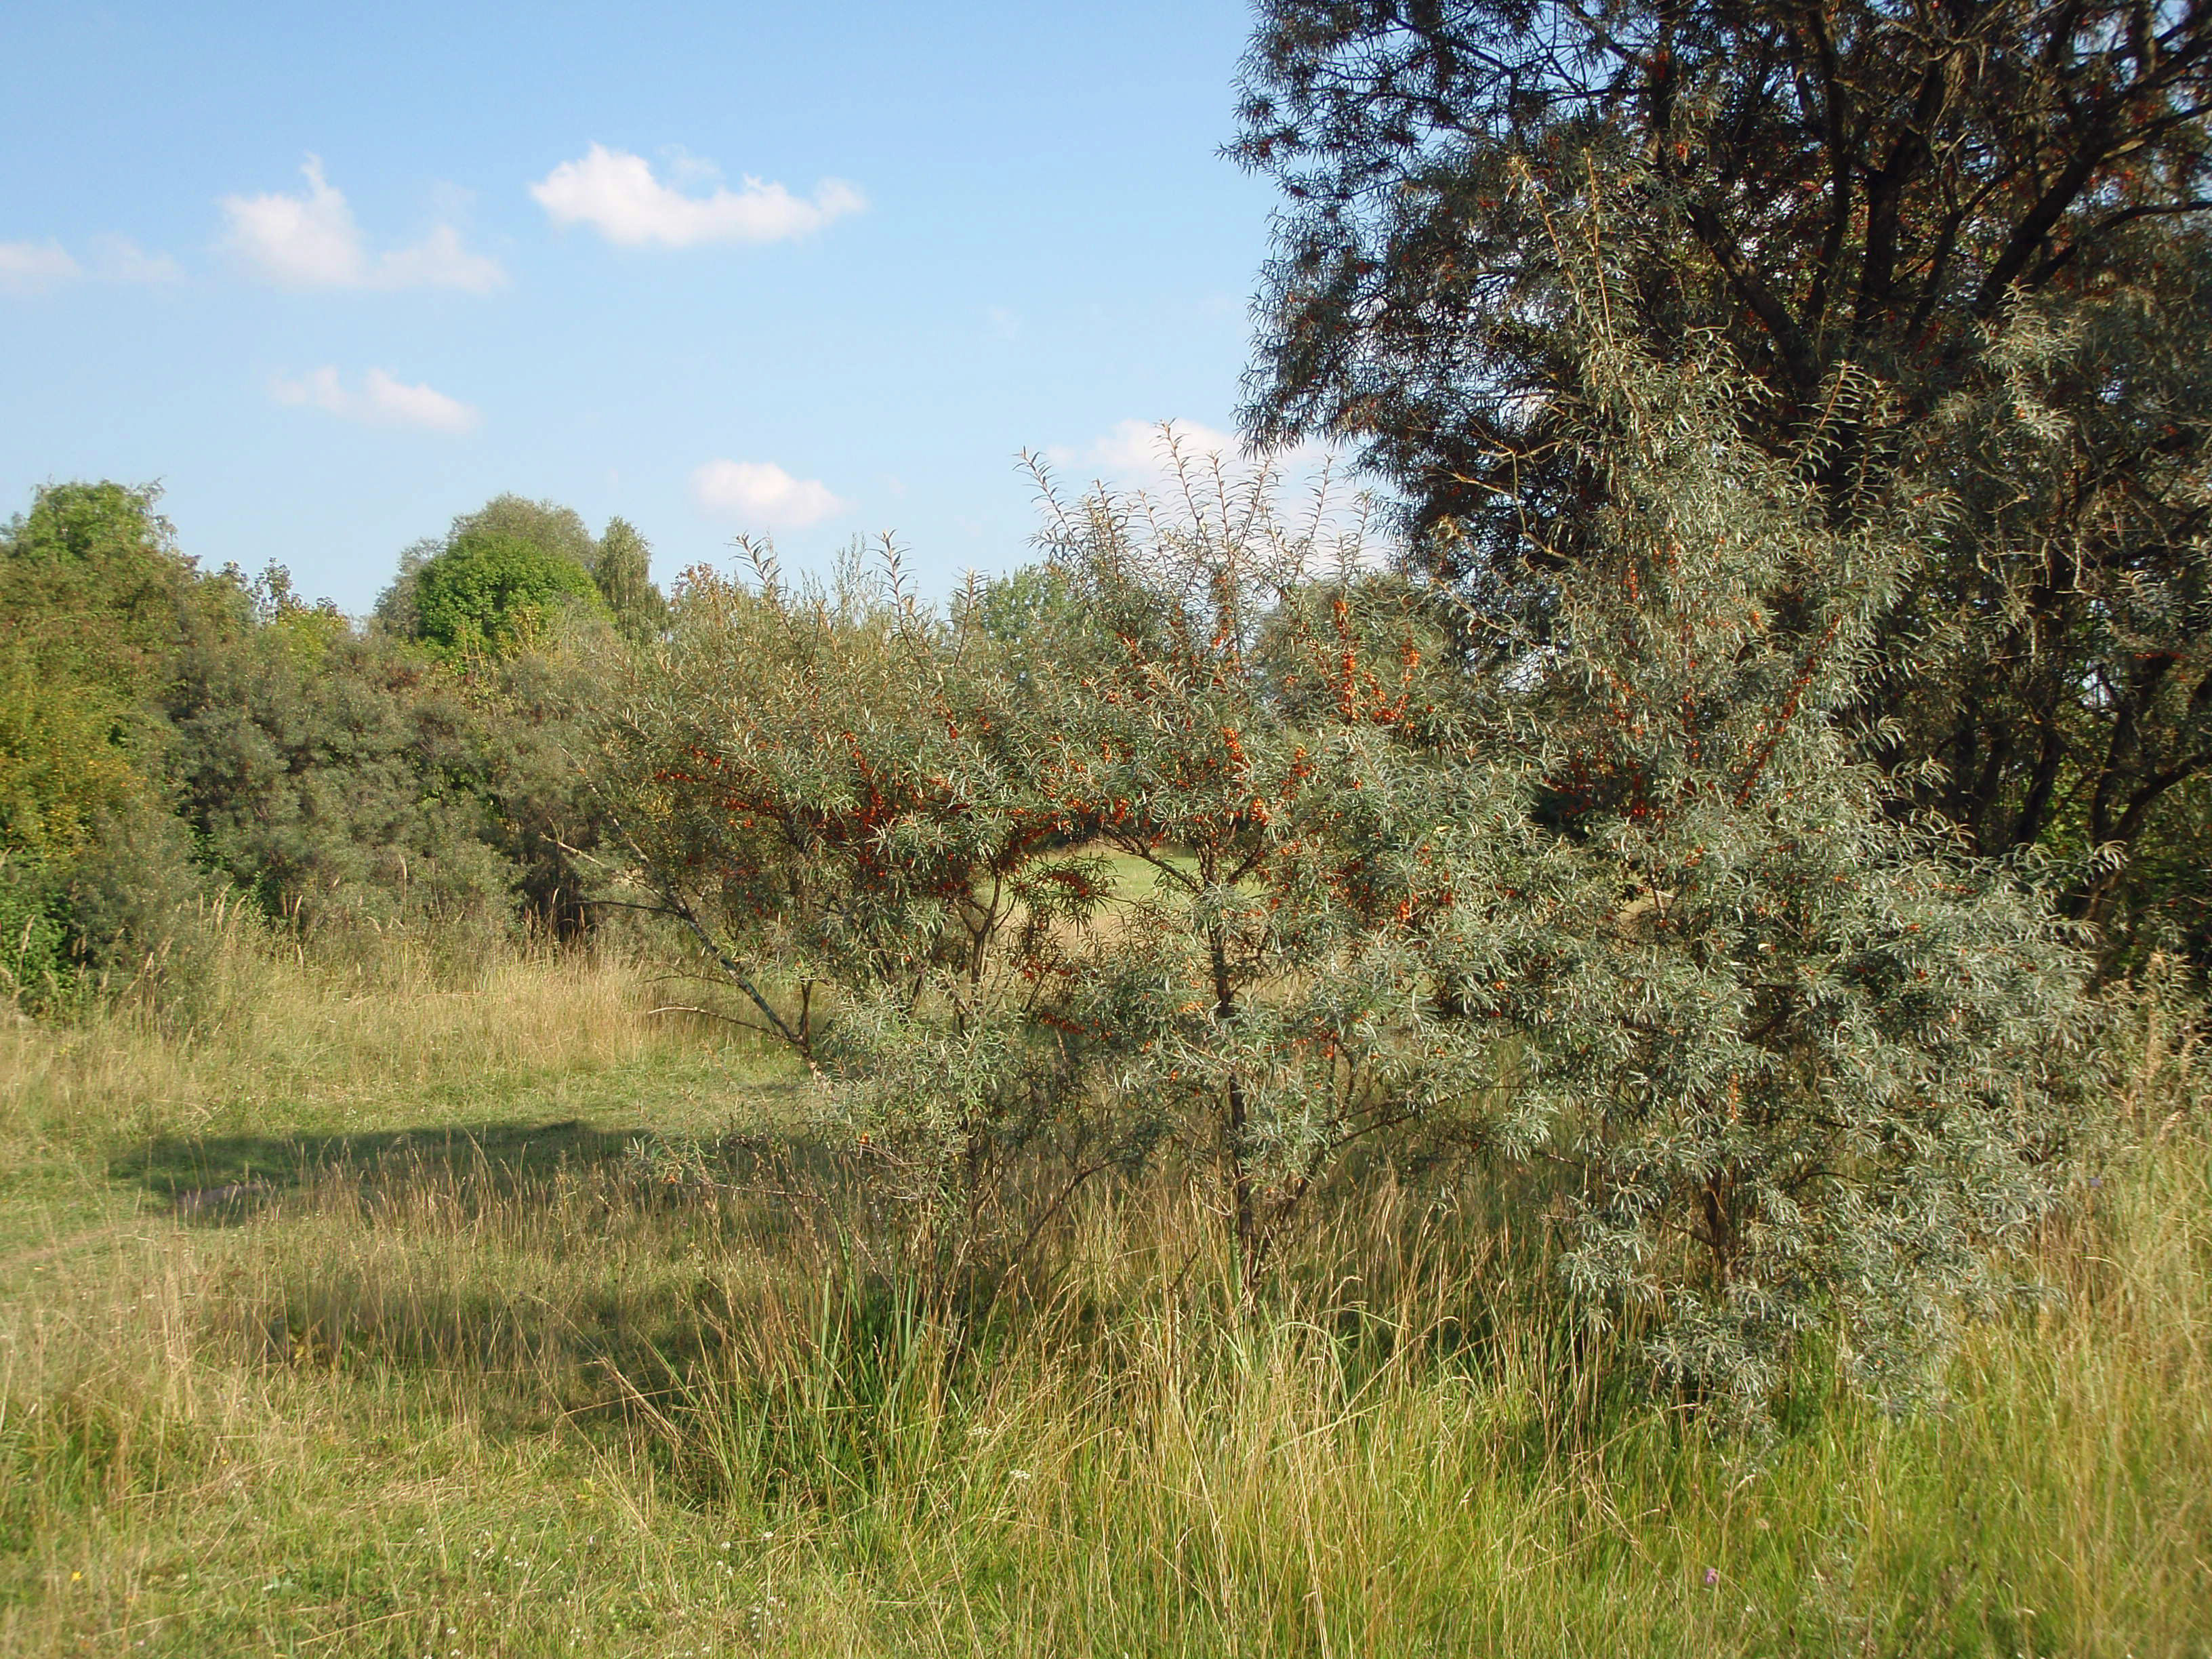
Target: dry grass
[403,1316]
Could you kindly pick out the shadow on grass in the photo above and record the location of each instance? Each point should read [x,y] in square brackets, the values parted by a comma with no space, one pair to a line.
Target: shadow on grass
[594,1276]
[225,1179]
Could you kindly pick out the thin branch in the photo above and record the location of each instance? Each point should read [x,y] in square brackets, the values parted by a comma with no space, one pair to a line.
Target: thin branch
[730,965]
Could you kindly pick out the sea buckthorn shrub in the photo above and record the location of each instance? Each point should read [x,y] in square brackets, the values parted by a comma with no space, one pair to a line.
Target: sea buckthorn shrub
[1803,1066]
[1218,843]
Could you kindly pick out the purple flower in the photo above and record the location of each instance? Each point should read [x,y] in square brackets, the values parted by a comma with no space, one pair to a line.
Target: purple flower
[1712,1578]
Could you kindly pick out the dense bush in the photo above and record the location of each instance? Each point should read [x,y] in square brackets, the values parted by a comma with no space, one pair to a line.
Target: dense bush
[346,776]
[332,777]
[829,786]
[1631,914]
[1806,1065]
[93,594]
[93,598]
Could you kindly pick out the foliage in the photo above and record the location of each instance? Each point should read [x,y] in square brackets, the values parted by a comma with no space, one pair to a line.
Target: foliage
[828,786]
[921,814]
[556,532]
[1631,911]
[92,591]
[619,564]
[34,931]
[339,777]
[331,777]
[94,585]
[1219,696]
[93,596]
[1964,246]
[622,572]
[66,756]
[143,918]
[1810,1068]
[491,593]
[159,726]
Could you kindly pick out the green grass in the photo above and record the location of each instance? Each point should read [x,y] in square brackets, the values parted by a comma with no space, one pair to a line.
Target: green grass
[400,1315]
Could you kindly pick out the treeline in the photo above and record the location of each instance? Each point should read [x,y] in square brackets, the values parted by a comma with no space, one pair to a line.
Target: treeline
[169,736]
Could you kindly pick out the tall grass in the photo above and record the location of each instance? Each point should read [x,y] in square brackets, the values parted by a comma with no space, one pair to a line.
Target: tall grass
[436,1310]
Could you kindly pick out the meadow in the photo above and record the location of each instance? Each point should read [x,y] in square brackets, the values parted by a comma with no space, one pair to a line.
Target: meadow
[1592,1046]
[414,1308]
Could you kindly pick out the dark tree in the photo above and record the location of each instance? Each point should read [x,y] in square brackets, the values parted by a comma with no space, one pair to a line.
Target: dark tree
[1961,244]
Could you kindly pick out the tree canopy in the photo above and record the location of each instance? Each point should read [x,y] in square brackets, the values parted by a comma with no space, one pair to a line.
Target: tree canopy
[1960,247]
[491,590]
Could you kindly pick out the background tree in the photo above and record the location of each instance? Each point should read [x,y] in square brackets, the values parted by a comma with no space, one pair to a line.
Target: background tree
[165,732]
[332,779]
[491,592]
[344,777]
[1962,243]
[555,531]
[622,569]
[93,596]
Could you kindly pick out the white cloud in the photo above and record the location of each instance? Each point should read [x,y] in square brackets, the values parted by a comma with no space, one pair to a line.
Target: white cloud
[302,241]
[439,260]
[381,401]
[615,193]
[416,405]
[763,492]
[27,268]
[1141,448]
[310,240]
[1138,455]
[119,260]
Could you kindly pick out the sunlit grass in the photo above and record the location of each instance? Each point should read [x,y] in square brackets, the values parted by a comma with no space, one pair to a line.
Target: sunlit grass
[424,1310]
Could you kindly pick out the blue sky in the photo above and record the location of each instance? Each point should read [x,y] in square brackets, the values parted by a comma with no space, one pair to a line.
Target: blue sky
[334,274]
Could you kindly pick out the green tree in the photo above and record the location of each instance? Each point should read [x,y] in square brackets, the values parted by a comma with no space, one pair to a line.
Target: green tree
[490,591]
[557,531]
[67,757]
[342,776]
[334,778]
[92,588]
[95,597]
[1963,245]
[623,573]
